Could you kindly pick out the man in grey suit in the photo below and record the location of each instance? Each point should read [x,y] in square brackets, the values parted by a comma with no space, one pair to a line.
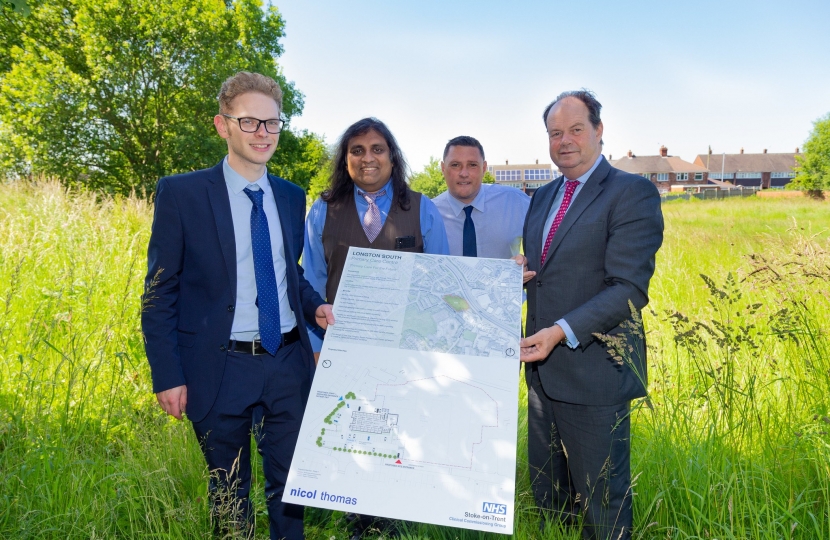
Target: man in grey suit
[590,239]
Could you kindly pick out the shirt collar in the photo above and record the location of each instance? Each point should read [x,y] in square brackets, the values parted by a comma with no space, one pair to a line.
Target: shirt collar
[584,178]
[387,186]
[237,182]
[458,206]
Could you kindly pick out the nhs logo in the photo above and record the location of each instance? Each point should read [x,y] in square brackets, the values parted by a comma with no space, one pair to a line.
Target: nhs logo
[493,508]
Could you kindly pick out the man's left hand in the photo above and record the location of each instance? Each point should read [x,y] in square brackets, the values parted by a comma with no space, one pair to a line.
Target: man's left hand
[539,345]
[324,316]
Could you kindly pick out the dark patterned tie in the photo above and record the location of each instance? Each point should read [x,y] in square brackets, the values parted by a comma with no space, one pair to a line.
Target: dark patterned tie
[268,300]
[570,187]
[469,242]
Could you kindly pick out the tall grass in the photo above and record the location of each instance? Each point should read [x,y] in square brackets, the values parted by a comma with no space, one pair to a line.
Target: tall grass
[732,442]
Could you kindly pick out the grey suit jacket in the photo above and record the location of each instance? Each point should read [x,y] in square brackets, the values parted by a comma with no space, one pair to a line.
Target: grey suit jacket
[601,257]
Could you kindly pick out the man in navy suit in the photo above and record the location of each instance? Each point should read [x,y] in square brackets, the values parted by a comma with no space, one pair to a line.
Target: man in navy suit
[590,238]
[224,304]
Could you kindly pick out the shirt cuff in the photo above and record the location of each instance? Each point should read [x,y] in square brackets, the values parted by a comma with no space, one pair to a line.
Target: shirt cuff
[570,337]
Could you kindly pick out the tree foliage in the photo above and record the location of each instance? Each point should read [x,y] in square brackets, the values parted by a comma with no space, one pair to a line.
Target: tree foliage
[488,178]
[430,181]
[115,94]
[813,171]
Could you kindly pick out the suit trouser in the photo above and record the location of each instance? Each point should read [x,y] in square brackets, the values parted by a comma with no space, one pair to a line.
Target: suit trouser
[278,387]
[579,457]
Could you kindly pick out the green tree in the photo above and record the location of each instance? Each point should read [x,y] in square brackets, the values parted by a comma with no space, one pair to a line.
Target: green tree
[488,178]
[813,170]
[430,181]
[115,94]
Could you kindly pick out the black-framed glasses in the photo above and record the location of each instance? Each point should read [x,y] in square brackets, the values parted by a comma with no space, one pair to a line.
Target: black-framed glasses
[251,125]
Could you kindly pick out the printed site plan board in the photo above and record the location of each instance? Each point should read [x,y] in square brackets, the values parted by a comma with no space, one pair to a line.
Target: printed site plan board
[413,408]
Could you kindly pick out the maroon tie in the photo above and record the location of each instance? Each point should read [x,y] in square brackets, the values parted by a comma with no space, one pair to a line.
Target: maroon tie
[570,187]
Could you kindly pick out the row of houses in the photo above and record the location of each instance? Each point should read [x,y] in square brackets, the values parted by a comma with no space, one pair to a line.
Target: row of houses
[671,173]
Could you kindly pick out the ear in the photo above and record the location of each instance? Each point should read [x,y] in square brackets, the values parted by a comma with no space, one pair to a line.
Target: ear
[599,131]
[221,126]
[442,170]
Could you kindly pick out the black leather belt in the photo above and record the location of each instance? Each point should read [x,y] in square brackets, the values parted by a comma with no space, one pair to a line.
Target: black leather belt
[255,347]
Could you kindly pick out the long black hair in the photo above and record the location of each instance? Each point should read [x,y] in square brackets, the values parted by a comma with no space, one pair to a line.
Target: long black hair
[341,185]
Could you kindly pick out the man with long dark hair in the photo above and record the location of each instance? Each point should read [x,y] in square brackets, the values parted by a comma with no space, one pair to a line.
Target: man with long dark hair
[368,204]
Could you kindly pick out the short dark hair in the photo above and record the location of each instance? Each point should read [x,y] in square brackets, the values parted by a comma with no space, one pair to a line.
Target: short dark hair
[463,140]
[341,184]
[585,96]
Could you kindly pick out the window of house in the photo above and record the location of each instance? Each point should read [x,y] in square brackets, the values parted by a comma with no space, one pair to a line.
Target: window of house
[681,176]
[748,175]
[537,174]
[508,175]
[782,175]
[646,175]
[719,176]
[698,176]
[663,177]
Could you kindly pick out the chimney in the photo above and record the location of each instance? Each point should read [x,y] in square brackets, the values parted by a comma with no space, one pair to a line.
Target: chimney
[765,150]
[742,149]
[664,151]
[610,157]
[505,162]
[629,153]
[796,149]
[537,162]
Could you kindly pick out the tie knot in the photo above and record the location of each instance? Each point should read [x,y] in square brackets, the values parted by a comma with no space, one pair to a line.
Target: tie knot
[255,196]
[570,185]
[468,210]
[370,197]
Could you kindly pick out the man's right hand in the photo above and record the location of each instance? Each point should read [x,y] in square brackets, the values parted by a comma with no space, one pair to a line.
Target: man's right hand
[173,401]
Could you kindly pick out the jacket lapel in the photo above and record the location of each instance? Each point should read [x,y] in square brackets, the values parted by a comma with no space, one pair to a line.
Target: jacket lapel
[221,205]
[592,188]
[284,211]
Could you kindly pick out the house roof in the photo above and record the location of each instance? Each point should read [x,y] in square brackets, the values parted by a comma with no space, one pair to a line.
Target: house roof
[655,164]
[747,162]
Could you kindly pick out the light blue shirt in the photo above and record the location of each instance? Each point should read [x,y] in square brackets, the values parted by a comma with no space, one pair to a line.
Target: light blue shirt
[314,258]
[498,215]
[246,314]
[571,340]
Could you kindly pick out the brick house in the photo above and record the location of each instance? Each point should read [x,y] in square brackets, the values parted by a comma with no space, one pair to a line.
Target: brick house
[754,170]
[665,171]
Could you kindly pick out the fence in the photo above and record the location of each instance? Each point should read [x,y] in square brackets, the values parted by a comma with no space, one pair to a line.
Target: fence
[713,194]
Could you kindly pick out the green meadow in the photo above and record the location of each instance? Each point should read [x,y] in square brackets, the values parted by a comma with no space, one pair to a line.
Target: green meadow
[732,442]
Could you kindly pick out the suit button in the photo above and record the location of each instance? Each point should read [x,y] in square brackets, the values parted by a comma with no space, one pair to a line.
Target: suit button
[230,308]
[538,283]
[223,348]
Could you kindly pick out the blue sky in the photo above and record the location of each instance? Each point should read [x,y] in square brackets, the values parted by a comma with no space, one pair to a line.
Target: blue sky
[686,75]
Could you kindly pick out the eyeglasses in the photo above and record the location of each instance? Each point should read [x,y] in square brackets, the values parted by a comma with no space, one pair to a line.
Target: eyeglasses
[251,125]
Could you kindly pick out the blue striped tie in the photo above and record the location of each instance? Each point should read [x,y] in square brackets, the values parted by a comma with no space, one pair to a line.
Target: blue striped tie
[268,300]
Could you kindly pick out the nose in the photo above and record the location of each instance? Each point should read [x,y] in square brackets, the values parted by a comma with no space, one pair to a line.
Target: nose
[261,131]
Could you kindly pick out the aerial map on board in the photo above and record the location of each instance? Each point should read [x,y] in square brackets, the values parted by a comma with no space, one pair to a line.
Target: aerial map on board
[413,409]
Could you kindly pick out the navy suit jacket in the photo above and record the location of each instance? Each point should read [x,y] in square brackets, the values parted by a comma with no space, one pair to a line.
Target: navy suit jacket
[190,288]
[601,257]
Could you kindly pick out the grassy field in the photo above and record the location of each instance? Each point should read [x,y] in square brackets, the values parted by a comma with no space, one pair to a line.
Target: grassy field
[732,443]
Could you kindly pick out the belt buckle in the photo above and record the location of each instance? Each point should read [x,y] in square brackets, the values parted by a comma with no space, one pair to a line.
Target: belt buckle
[253,345]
